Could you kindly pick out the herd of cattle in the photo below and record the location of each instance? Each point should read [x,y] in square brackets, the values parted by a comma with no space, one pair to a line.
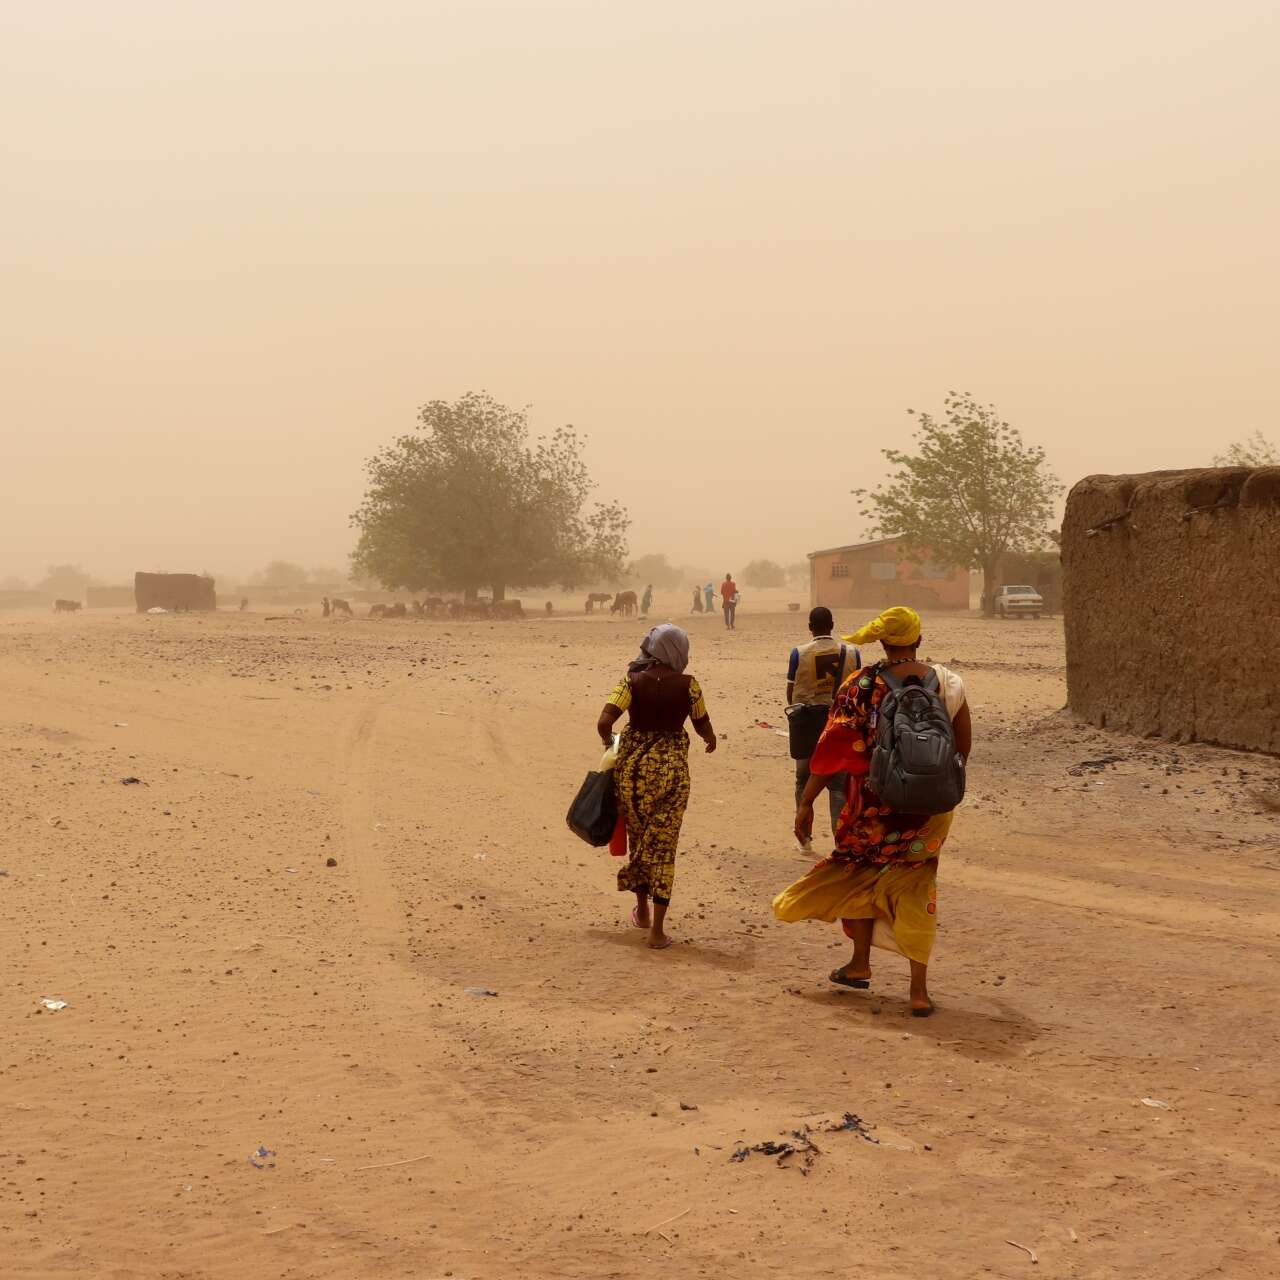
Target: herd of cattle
[434,607]
[624,602]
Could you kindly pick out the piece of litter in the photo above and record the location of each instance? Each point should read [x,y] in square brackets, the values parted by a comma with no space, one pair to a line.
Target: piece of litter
[1029,1252]
[260,1156]
[130,781]
[120,724]
[688,1106]
[293,871]
[782,733]
[53,1005]
[1155,1102]
[480,857]
[1071,1231]
[480,991]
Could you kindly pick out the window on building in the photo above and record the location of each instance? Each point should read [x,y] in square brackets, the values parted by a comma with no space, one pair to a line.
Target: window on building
[839,570]
[884,570]
[933,571]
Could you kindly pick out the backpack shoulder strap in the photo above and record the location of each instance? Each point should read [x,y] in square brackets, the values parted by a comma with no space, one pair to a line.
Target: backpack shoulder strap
[888,677]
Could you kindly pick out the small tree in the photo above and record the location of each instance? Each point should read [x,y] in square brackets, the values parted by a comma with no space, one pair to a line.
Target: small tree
[764,573]
[1253,451]
[280,573]
[973,493]
[66,581]
[655,569]
[471,500]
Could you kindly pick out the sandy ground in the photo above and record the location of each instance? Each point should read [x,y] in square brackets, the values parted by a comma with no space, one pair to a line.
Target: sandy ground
[1109,934]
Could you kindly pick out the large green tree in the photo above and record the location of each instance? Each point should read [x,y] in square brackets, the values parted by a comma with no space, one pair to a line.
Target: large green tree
[471,500]
[970,493]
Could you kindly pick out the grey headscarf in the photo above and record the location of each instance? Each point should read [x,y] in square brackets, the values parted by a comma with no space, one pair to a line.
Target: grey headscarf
[666,643]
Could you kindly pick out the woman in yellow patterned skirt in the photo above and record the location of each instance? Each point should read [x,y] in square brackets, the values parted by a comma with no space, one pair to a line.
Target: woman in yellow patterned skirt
[652,772]
[880,881]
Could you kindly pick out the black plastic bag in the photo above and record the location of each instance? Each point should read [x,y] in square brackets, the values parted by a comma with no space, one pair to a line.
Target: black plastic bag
[805,724]
[594,812]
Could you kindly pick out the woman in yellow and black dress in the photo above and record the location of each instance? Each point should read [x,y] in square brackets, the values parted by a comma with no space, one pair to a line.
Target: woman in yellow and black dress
[652,772]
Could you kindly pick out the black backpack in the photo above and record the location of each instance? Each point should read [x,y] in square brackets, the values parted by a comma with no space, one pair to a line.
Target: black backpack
[915,767]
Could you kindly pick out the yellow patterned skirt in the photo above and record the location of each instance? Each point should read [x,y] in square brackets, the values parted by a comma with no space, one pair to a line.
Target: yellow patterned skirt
[652,782]
[901,897]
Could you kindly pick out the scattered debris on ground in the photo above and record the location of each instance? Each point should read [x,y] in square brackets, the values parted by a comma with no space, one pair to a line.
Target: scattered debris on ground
[801,1144]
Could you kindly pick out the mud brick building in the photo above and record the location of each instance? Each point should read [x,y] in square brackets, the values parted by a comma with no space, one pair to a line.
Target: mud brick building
[1171,585]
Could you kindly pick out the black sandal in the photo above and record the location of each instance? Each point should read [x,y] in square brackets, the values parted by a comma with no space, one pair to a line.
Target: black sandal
[860,984]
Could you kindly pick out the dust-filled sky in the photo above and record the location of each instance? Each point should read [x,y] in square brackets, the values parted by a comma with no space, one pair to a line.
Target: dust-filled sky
[731,240]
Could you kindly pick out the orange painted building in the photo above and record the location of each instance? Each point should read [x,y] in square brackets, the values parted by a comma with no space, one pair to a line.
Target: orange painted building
[874,575]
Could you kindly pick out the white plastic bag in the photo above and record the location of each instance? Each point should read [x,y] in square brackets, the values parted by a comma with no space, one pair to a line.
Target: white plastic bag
[610,757]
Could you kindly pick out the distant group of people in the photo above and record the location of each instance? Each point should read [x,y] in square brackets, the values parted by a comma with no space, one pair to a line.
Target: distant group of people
[729,598]
[882,738]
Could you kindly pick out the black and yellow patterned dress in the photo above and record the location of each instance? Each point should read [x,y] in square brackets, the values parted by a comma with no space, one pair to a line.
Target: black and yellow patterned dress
[652,774]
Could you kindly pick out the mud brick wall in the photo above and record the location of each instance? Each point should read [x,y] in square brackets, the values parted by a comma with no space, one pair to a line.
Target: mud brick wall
[173,591]
[1172,604]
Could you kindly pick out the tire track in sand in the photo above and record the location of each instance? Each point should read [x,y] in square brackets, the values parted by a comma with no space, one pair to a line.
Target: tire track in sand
[379,907]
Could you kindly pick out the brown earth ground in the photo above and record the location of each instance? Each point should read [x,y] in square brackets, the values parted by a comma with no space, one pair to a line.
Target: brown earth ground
[1109,934]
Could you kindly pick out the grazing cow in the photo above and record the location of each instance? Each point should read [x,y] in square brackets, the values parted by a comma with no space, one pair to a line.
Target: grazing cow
[66,606]
[434,607]
[508,610]
[377,611]
[624,603]
[477,609]
[597,597]
[340,606]
[396,610]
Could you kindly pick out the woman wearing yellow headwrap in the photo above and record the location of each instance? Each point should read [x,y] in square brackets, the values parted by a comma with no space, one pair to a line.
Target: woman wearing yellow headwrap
[880,881]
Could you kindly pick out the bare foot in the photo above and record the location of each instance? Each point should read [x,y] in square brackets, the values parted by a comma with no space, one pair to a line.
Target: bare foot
[658,940]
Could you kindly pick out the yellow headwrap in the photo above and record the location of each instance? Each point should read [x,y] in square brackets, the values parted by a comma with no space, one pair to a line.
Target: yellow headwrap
[898,626]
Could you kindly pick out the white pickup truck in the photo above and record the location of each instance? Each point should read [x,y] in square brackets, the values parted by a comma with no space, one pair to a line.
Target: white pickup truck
[1019,602]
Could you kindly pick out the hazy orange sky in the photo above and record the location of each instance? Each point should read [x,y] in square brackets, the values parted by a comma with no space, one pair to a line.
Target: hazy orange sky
[732,242]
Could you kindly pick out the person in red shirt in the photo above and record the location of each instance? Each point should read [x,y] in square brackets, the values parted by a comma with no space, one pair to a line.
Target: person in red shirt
[729,601]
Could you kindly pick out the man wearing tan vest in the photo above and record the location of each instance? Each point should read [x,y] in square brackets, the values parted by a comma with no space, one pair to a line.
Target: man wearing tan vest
[815,672]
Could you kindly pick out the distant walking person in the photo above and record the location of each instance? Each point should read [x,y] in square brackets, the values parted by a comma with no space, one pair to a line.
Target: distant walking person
[697,600]
[652,772]
[324,604]
[729,601]
[710,592]
[646,601]
[881,879]
[815,673]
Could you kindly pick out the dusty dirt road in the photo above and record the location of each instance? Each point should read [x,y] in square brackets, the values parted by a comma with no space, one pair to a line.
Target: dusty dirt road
[1109,934]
